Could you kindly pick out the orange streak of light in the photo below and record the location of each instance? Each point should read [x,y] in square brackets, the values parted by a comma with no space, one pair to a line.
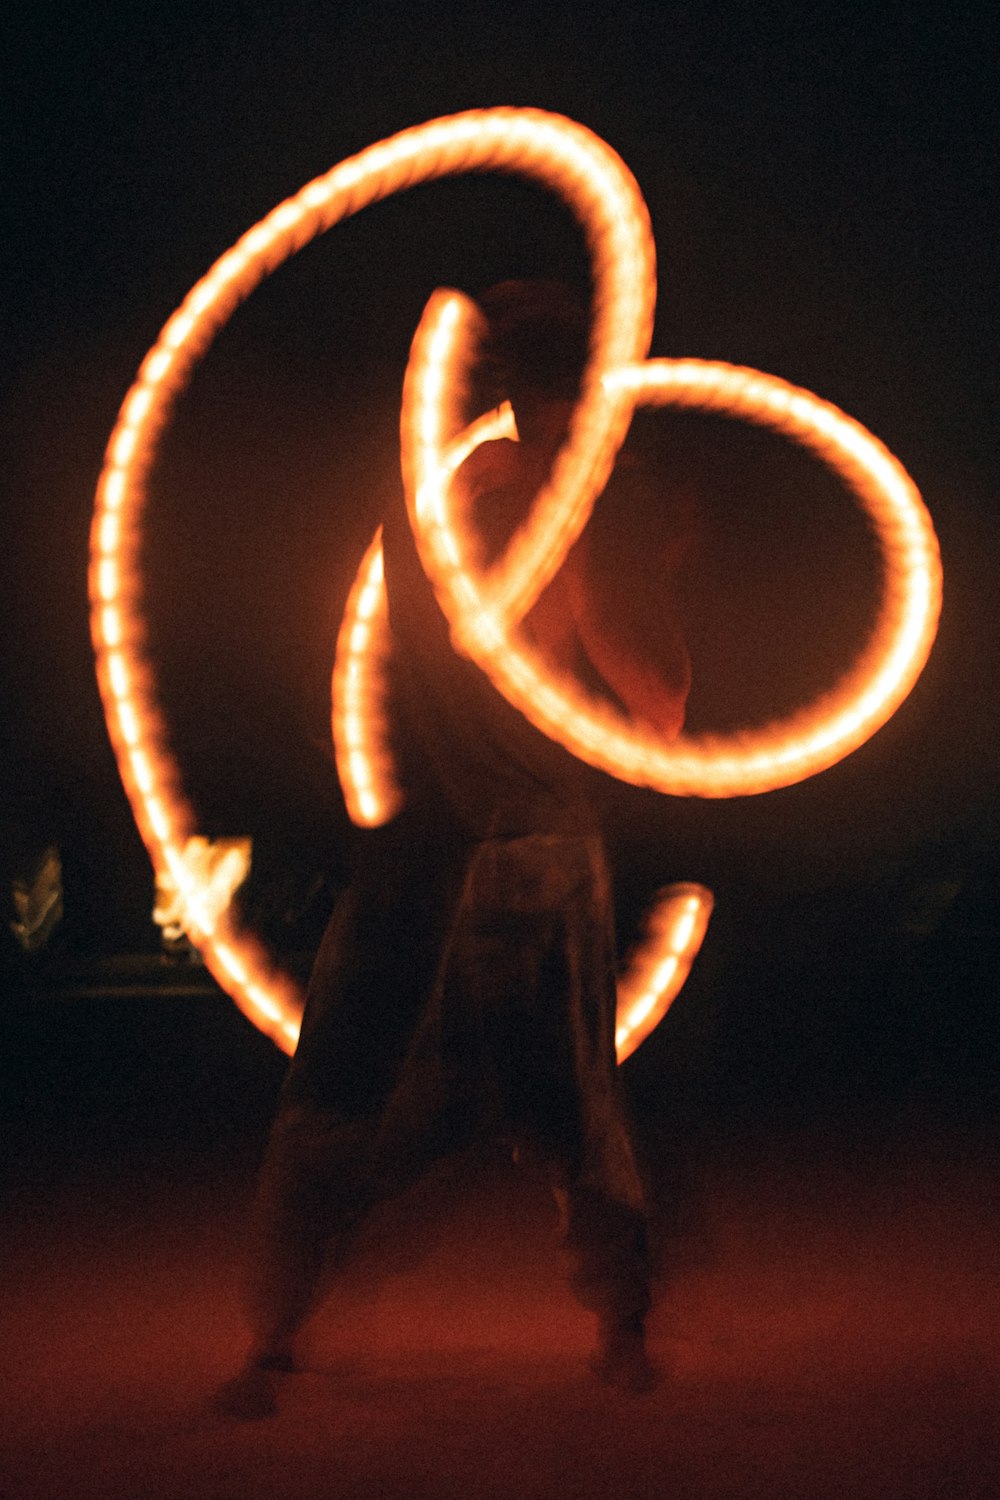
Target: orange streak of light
[484,611]
[598,188]
[719,766]
[359,690]
[656,971]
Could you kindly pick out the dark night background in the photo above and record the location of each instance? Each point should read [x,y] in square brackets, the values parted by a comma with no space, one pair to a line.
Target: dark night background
[823,190]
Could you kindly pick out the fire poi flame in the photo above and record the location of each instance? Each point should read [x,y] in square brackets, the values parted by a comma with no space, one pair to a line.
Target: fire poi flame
[484,611]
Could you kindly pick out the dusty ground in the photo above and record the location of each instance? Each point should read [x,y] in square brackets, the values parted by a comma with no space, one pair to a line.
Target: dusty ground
[824,1330]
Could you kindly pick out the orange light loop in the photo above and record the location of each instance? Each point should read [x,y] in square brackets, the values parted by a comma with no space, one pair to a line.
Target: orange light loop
[560,155]
[485,610]
[717,766]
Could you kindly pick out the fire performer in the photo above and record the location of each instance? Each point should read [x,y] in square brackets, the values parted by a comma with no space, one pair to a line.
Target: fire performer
[466,982]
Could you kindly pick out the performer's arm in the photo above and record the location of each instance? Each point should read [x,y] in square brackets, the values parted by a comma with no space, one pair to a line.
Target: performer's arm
[633,641]
[642,656]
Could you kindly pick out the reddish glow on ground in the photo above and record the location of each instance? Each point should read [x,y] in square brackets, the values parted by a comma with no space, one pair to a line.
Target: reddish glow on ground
[485,609]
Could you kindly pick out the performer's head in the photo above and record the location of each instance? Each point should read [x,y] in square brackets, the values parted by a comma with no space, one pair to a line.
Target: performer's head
[534,354]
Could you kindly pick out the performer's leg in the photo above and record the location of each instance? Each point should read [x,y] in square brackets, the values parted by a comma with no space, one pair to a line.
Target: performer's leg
[327,1161]
[606,1241]
[314,1185]
[567,1088]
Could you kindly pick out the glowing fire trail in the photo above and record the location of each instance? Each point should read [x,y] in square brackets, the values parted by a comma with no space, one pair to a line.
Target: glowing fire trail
[485,611]
[808,741]
[599,189]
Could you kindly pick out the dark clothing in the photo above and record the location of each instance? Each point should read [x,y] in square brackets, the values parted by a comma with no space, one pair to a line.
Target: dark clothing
[465,987]
[495,772]
[468,994]
[473,995]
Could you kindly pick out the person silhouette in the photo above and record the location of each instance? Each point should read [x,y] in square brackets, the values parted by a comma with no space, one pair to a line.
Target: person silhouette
[466,982]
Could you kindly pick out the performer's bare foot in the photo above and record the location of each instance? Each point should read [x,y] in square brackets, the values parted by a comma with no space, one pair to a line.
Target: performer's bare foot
[252,1395]
[622,1360]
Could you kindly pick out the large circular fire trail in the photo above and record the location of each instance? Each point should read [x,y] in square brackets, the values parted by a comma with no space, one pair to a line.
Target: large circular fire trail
[484,611]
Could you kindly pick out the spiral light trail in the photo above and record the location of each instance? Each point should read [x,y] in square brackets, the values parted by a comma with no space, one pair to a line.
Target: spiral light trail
[484,611]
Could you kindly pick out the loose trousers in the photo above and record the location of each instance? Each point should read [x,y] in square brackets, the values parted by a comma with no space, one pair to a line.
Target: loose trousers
[459,991]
